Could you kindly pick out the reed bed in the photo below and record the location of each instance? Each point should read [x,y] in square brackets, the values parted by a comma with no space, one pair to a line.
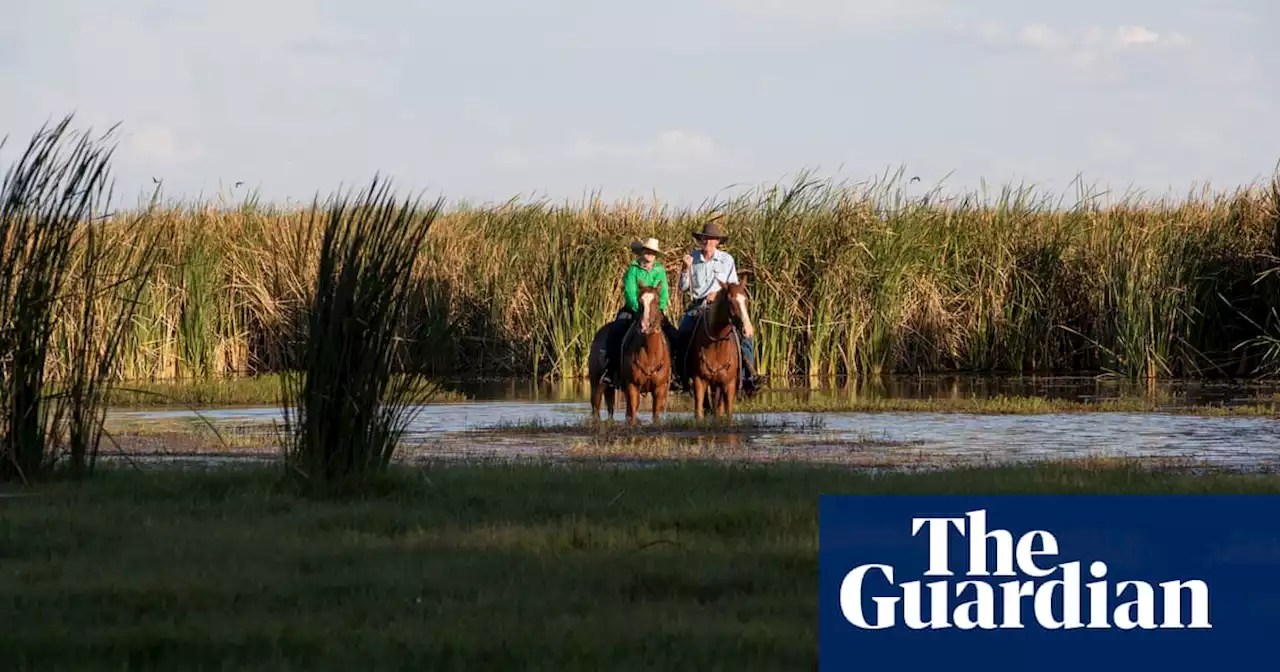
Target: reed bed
[68,291]
[845,279]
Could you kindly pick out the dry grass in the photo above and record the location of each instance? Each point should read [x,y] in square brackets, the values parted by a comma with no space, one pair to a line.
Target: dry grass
[843,278]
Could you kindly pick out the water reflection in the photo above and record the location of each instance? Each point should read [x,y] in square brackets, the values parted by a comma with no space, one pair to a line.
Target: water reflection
[933,386]
[1234,442]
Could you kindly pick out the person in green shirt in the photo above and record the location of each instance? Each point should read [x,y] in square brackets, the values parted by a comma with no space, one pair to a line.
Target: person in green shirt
[645,270]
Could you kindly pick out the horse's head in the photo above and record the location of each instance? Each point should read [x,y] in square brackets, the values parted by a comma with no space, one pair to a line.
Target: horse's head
[735,295]
[650,313]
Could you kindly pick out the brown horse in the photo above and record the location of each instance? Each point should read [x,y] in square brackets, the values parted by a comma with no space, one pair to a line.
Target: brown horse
[712,351]
[644,363]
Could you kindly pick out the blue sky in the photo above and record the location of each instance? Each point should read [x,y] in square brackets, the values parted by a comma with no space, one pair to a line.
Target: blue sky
[490,99]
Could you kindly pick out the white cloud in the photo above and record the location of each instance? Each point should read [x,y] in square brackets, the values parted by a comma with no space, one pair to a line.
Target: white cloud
[157,143]
[673,150]
[310,93]
[1046,38]
[843,14]
[1095,50]
[679,149]
[1132,35]
[1040,36]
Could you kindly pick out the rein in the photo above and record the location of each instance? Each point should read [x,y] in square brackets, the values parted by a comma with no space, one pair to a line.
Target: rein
[637,332]
[705,323]
[727,333]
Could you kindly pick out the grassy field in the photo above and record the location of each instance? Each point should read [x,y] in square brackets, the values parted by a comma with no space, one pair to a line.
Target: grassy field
[684,566]
[842,278]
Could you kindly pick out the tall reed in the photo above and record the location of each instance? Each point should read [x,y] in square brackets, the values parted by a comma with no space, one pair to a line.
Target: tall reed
[844,279]
[350,399]
[67,293]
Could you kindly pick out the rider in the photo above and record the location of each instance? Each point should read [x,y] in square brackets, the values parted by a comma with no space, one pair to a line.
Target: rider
[703,270]
[644,269]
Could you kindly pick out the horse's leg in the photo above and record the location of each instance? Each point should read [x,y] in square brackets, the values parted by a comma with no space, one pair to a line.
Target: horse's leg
[722,394]
[609,399]
[633,402]
[597,396]
[699,396]
[730,391]
[659,400]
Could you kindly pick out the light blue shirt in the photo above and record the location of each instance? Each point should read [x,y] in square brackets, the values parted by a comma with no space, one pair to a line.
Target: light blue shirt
[705,275]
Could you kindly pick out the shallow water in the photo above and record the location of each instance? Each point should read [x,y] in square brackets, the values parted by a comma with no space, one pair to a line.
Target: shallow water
[1071,388]
[942,438]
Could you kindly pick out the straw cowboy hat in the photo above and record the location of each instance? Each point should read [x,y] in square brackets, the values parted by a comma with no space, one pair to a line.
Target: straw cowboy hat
[650,245]
[711,230]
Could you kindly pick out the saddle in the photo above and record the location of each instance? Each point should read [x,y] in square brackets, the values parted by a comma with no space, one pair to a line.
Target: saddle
[613,369]
[699,313]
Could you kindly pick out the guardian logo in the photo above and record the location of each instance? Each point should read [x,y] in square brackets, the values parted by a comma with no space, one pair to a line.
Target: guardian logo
[1031,556]
[1046,583]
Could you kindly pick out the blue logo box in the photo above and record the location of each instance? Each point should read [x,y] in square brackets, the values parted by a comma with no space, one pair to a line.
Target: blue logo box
[1071,582]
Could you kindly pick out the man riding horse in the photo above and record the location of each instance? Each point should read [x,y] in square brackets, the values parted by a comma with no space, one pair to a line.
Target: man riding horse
[703,270]
[645,269]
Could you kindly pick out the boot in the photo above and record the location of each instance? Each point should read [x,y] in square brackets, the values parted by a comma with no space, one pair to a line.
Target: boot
[750,381]
[678,381]
[605,377]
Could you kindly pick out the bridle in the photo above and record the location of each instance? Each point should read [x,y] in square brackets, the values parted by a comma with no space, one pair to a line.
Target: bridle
[637,330]
[705,322]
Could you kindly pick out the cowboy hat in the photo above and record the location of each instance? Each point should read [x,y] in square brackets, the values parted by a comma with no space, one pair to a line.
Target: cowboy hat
[650,245]
[711,230]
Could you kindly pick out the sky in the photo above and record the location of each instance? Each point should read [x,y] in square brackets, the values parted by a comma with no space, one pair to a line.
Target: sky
[685,100]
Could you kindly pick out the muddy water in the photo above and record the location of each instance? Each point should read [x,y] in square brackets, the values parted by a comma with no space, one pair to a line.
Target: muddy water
[941,438]
[1074,388]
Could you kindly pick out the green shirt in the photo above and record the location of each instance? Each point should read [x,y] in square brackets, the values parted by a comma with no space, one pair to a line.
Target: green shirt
[654,277]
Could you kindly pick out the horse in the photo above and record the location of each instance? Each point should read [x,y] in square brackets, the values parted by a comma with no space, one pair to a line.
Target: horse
[712,351]
[644,364]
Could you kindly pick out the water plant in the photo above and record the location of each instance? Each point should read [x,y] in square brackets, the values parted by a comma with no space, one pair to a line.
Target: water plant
[68,289]
[351,395]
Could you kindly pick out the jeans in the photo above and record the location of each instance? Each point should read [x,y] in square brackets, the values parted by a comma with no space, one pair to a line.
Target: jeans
[613,342]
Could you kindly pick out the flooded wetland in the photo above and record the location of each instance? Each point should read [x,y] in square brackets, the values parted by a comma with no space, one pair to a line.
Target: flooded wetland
[509,549]
[895,422]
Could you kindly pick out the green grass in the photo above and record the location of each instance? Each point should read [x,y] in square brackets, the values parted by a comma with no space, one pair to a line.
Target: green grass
[263,390]
[688,566]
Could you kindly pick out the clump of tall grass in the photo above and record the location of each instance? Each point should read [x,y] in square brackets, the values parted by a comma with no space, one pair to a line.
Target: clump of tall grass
[68,288]
[350,399]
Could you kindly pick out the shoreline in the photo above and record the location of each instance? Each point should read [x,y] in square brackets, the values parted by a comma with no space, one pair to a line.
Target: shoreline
[262,391]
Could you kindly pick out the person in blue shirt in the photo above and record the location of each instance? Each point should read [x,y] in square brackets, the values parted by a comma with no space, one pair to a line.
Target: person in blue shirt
[702,271]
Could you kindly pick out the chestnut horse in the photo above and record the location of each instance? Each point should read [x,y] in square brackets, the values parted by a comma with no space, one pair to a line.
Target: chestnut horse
[712,353]
[644,364]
